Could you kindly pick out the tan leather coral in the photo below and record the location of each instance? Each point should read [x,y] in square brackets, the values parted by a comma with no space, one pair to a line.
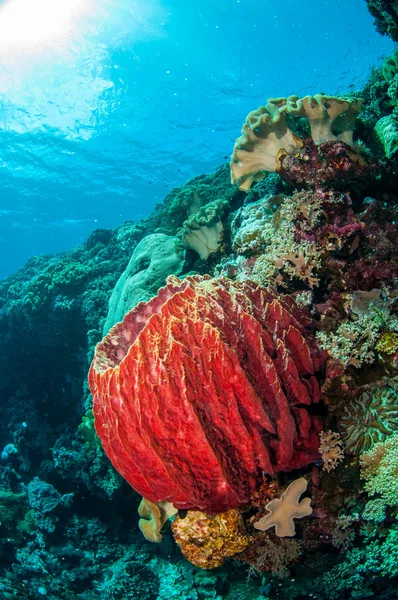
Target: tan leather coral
[153,516]
[266,135]
[329,117]
[283,510]
[202,231]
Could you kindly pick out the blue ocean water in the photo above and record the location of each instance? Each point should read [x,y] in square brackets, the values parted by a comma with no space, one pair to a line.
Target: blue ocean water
[108,107]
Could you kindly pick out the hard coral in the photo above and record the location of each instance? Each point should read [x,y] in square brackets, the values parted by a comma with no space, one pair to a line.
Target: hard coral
[154,258]
[266,137]
[205,387]
[207,540]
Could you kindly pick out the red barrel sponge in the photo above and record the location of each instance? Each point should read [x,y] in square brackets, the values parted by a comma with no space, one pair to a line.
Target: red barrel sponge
[204,388]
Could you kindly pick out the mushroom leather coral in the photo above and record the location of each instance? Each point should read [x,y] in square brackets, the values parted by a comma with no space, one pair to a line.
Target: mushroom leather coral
[205,388]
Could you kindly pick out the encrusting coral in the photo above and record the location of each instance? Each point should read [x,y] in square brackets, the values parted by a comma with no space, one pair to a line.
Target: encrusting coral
[207,540]
[283,510]
[267,139]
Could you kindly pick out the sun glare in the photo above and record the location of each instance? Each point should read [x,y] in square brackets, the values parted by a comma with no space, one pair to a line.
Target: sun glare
[26,24]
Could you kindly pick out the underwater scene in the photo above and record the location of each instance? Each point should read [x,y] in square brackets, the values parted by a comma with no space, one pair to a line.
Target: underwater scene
[198,300]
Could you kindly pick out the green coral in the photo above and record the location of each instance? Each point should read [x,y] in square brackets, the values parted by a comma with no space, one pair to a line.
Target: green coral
[362,566]
[374,511]
[55,279]
[371,418]
[198,192]
[15,517]
[379,469]
[87,431]
[386,131]
[353,343]
[390,67]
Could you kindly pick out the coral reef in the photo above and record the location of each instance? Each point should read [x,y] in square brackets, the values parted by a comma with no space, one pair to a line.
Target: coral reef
[218,404]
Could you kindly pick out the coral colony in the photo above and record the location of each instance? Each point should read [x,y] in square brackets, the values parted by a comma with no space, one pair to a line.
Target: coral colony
[246,384]
[204,396]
